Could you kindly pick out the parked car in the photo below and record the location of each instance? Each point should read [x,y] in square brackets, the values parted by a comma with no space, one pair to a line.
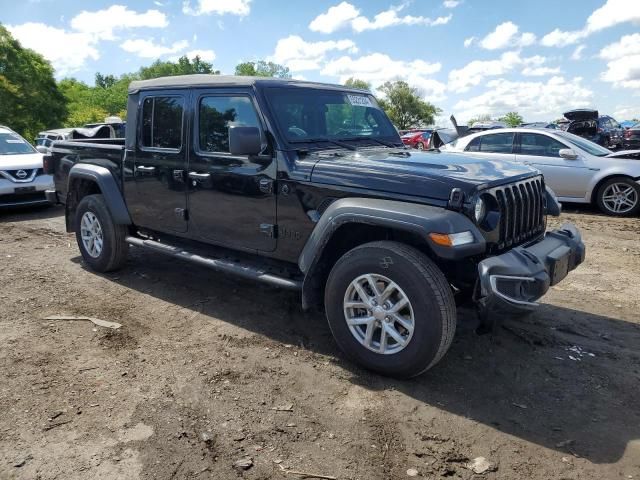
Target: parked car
[631,137]
[419,139]
[22,181]
[266,187]
[540,125]
[45,139]
[577,169]
[602,129]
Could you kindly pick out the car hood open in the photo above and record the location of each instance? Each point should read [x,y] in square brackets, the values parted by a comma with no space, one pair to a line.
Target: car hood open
[581,114]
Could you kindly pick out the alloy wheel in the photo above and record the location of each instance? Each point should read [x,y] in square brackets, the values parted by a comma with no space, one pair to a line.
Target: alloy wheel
[91,233]
[620,198]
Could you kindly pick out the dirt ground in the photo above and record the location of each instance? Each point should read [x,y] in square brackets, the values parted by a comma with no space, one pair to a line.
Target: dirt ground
[208,370]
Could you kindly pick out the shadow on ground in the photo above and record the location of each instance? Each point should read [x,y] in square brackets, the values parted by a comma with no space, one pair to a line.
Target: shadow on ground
[521,381]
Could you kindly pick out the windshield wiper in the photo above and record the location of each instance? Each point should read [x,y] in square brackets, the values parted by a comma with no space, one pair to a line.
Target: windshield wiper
[326,140]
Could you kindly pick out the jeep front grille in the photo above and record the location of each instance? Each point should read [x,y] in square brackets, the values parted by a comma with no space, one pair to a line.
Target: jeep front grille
[522,211]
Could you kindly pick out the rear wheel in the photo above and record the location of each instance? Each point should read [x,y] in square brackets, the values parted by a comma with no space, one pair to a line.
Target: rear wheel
[420,146]
[619,196]
[390,308]
[101,241]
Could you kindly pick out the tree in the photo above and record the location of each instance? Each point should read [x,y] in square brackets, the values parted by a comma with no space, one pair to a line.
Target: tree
[183,66]
[357,83]
[262,68]
[30,100]
[485,117]
[512,119]
[405,107]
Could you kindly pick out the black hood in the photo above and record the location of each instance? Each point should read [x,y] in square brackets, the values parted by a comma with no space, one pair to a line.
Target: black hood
[426,174]
[581,114]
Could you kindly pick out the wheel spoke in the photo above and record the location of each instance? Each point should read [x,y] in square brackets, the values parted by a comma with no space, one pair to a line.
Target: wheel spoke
[360,320]
[372,283]
[383,340]
[399,305]
[361,293]
[403,322]
[368,336]
[356,304]
[388,291]
[393,333]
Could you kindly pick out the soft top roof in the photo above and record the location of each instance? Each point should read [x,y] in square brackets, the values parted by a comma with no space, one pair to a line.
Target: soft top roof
[205,80]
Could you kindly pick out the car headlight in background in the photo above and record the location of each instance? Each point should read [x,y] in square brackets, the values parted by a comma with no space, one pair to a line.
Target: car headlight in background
[479,210]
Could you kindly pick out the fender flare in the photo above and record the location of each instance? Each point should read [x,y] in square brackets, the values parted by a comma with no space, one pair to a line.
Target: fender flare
[407,217]
[108,186]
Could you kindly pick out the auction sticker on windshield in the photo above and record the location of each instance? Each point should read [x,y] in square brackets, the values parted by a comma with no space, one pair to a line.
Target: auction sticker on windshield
[360,100]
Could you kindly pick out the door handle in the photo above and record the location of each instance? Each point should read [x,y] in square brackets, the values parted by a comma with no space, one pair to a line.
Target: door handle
[144,169]
[200,177]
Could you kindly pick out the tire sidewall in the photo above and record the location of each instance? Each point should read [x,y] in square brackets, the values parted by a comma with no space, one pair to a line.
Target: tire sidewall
[606,184]
[95,204]
[427,336]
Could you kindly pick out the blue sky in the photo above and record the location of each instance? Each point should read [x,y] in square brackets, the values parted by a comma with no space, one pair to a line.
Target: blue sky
[468,57]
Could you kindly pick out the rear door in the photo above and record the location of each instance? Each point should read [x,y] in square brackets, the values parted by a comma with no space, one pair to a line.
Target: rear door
[232,199]
[157,195]
[567,178]
[495,146]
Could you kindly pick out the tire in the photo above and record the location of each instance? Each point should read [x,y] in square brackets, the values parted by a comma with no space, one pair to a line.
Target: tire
[608,189]
[431,308]
[420,146]
[113,252]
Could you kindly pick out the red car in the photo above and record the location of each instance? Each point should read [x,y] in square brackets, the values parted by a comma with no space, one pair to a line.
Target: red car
[417,139]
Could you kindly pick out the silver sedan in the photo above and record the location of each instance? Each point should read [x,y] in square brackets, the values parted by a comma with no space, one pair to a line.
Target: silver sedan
[578,170]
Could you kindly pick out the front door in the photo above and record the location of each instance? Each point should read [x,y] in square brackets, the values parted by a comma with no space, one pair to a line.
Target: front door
[567,178]
[157,195]
[231,198]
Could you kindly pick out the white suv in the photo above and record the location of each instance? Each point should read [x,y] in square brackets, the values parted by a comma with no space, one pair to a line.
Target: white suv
[22,181]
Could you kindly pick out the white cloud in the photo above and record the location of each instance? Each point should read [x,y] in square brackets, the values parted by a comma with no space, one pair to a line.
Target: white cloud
[451,3]
[150,49]
[345,14]
[506,36]
[300,55]
[469,41]
[540,71]
[612,13]
[102,23]
[336,17]
[533,100]
[67,51]
[624,112]
[623,66]
[577,53]
[205,55]
[378,68]
[241,8]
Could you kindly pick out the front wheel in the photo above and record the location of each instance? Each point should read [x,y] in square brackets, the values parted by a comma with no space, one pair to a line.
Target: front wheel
[101,241]
[619,196]
[420,146]
[390,308]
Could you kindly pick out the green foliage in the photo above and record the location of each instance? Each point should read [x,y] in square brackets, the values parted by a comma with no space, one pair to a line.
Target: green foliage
[262,69]
[512,119]
[357,83]
[30,100]
[183,66]
[480,118]
[405,107]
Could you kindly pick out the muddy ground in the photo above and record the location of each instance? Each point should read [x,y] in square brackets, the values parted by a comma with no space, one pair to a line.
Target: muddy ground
[208,370]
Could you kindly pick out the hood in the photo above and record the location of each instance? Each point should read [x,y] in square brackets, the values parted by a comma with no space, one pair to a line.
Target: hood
[581,114]
[16,162]
[631,154]
[427,174]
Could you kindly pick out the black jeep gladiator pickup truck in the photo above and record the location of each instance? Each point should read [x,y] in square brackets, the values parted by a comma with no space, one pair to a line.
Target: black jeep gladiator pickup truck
[308,186]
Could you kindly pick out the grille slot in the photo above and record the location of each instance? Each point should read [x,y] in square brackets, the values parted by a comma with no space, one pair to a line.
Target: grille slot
[522,215]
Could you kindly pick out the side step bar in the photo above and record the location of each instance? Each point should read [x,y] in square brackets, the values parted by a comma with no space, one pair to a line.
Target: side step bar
[242,270]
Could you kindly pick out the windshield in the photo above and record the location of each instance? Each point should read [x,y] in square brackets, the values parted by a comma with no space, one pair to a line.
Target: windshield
[583,143]
[312,115]
[14,144]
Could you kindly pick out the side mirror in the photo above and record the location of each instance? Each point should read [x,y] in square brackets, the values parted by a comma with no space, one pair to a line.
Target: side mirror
[42,149]
[568,154]
[244,141]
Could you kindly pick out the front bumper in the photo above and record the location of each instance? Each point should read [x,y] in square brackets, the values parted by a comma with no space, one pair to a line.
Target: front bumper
[25,194]
[515,280]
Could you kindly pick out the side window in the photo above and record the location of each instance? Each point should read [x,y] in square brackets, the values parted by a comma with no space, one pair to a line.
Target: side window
[474,145]
[217,114]
[539,145]
[162,122]
[497,143]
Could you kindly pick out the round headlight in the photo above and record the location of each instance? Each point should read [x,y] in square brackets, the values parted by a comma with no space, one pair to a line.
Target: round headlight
[479,210]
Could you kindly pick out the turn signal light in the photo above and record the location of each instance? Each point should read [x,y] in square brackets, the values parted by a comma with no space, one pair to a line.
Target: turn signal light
[452,239]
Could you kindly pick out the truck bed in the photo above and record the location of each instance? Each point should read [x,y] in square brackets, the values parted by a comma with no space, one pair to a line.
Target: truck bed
[107,152]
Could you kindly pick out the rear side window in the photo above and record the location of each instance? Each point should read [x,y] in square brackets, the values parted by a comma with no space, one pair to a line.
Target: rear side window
[497,143]
[217,114]
[162,122]
[474,145]
[539,145]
